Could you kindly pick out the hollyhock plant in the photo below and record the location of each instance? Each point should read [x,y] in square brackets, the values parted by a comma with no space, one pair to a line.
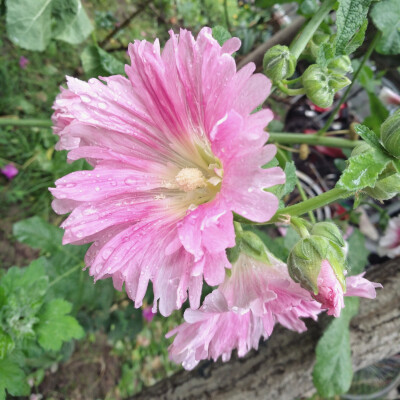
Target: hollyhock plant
[242,310]
[389,244]
[9,171]
[175,148]
[330,291]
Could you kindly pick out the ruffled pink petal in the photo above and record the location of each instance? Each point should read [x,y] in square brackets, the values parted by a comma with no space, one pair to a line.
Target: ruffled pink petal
[330,291]
[208,228]
[357,285]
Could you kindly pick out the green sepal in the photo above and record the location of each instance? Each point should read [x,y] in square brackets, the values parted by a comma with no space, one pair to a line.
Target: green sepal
[330,231]
[279,63]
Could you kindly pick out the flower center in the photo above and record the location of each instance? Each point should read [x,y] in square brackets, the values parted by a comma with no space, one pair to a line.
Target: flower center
[189,179]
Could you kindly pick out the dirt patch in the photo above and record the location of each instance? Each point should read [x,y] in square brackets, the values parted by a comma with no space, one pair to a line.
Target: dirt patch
[11,251]
[91,373]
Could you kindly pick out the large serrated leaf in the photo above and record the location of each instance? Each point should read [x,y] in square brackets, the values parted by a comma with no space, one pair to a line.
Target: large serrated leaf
[386,17]
[333,372]
[350,17]
[29,23]
[363,170]
[12,379]
[55,327]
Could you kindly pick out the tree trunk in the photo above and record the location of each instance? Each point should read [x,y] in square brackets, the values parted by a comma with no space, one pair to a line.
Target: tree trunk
[281,368]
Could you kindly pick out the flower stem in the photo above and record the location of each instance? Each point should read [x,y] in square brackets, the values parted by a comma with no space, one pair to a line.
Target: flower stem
[288,91]
[371,47]
[39,123]
[65,274]
[307,33]
[311,204]
[228,24]
[314,139]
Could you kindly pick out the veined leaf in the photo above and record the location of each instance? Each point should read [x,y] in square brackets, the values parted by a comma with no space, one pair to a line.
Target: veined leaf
[29,23]
[350,17]
[363,170]
[12,379]
[55,327]
[386,17]
[333,372]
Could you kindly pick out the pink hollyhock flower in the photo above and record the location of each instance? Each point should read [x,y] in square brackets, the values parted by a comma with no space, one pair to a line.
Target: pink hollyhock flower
[330,291]
[148,314]
[175,149]
[389,244]
[241,311]
[9,171]
[23,62]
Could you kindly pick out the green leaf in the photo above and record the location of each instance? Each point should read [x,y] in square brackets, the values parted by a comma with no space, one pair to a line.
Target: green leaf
[333,372]
[29,23]
[386,17]
[282,190]
[38,234]
[97,62]
[363,170]
[12,379]
[63,13]
[220,34]
[369,136]
[6,343]
[78,29]
[357,39]
[350,17]
[24,290]
[357,256]
[55,327]
[326,53]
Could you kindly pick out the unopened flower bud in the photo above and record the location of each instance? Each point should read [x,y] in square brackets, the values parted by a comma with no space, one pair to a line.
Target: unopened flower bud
[279,63]
[340,65]
[307,256]
[390,134]
[321,84]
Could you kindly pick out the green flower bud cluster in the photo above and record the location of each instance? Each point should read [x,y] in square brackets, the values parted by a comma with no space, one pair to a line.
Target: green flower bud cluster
[279,63]
[321,84]
[390,134]
[324,242]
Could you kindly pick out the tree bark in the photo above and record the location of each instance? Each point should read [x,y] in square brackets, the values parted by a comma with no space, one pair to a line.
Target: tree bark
[281,368]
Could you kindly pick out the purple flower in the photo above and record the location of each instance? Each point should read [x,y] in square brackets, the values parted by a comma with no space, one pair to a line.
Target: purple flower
[9,171]
[148,314]
[23,62]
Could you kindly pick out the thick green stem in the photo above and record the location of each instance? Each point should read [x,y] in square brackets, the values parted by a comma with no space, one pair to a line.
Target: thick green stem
[307,33]
[39,123]
[303,207]
[299,138]
[311,204]
[288,91]
[328,123]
